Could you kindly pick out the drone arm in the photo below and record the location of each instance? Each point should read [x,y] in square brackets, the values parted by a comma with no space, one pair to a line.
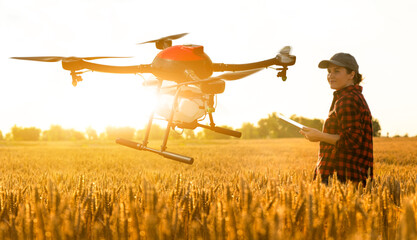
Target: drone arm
[221,67]
[81,65]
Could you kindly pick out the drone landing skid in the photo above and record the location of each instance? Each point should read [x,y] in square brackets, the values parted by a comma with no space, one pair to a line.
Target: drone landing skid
[165,154]
[171,155]
[212,127]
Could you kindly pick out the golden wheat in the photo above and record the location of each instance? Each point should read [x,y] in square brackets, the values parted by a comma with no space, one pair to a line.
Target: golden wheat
[243,189]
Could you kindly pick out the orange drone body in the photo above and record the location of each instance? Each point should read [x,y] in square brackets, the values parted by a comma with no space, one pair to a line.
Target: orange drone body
[173,62]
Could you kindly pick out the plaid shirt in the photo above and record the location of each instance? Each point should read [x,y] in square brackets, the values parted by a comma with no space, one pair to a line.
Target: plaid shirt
[352,156]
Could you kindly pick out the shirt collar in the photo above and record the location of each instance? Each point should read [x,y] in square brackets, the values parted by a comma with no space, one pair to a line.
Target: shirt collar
[346,90]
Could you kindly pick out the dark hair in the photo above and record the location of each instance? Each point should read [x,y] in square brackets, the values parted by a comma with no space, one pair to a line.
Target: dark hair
[357,78]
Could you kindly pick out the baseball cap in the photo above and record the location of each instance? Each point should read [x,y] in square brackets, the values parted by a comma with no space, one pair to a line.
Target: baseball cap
[343,60]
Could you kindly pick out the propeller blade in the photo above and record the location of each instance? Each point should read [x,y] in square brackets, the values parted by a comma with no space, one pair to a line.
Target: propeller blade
[93,58]
[40,59]
[284,56]
[171,37]
[57,59]
[285,50]
[236,75]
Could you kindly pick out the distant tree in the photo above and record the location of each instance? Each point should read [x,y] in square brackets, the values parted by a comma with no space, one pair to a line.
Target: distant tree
[376,128]
[1,136]
[119,132]
[57,133]
[200,135]
[313,123]
[294,131]
[102,136]
[76,135]
[8,136]
[189,134]
[25,134]
[289,131]
[269,127]
[249,131]
[91,133]
[175,134]
[158,133]
[273,127]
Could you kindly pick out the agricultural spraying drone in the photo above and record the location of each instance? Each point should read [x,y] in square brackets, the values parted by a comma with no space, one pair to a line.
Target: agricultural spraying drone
[193,92]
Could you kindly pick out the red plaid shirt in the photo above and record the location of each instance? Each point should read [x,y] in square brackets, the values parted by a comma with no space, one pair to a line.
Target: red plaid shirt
[352,156]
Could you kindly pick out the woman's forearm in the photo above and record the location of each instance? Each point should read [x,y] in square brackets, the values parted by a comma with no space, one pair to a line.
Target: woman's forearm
[329,138]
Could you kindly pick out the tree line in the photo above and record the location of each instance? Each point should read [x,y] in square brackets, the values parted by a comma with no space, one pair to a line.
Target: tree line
[270,127]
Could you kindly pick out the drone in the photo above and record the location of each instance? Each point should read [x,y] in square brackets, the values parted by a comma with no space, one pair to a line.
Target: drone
[191,94]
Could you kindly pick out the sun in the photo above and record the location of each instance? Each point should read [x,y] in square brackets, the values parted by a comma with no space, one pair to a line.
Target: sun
[99,101]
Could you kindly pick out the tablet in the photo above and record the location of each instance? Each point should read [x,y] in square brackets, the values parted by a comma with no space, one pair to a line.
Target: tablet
[292,122]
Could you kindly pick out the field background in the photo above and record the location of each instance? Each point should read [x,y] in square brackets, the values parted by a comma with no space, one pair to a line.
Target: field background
[236,189]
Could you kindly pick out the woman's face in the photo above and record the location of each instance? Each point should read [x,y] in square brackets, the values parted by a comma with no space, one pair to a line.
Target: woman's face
[338,77]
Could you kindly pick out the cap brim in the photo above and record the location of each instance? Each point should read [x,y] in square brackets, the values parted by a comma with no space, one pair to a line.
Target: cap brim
[326,63]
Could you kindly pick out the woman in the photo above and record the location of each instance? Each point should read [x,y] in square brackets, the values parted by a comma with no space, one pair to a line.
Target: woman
[346,146]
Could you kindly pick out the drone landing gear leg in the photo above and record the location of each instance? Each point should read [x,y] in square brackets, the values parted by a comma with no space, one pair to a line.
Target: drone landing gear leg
[162,152]
[148,128]
[213,125]
[171,118]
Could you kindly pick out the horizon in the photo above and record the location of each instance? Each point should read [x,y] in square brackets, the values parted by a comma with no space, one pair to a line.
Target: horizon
[196,131]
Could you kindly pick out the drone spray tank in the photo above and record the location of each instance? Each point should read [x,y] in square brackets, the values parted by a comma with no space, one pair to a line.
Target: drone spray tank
[190,103]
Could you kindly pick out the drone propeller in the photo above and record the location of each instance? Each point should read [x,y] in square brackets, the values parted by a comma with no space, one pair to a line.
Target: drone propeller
[171,37]
[284,55]
[57,59]
[165,42]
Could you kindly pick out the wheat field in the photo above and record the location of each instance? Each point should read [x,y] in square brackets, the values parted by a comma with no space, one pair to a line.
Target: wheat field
[236,189]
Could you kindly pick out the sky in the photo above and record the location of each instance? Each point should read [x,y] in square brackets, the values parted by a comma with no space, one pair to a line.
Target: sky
[381,34]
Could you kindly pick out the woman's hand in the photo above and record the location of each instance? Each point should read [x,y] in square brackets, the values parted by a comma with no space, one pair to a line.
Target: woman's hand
[311,134]
[314,135]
